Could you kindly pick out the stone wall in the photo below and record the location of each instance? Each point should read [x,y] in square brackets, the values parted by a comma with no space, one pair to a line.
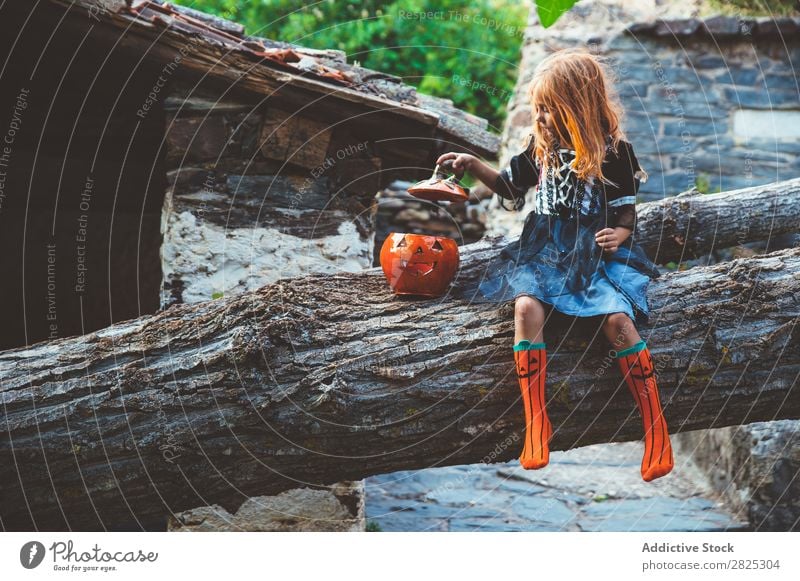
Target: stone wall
[255,194]
[340,509]
[755,467]
[714,101]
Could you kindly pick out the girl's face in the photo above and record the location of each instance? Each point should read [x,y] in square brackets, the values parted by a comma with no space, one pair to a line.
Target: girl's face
[546,122]
[543,118]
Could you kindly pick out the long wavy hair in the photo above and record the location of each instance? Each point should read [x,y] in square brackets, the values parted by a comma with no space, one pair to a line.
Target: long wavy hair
[578,90]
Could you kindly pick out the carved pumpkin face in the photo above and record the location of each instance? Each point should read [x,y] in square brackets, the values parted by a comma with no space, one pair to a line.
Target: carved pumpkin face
[415,264]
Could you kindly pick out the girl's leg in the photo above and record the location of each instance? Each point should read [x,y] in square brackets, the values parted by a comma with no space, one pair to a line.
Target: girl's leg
[636,365]
[529,316]
[531,359]
[620,331]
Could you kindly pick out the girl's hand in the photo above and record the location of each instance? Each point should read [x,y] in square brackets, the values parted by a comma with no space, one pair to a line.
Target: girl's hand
[459,162]
[608,239]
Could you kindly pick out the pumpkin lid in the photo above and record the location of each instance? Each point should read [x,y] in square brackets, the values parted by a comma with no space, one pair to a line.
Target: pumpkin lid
[440,188]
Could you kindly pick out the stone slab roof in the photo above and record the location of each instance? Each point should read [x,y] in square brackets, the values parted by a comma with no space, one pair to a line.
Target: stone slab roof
[220,48]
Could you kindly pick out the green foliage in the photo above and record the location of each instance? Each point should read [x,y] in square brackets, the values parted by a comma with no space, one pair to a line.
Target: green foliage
[551,10]
[672,265]
[373,527]
[217,295]
[465,52]
[703,185]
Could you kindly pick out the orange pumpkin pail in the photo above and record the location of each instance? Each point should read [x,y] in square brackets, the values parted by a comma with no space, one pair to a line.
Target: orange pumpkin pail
[416,264]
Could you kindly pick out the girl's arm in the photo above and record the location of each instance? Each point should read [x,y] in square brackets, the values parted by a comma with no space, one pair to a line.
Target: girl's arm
[510,183]
[611,238]
[464,162]
[497,181]
[622,233]
[625,174]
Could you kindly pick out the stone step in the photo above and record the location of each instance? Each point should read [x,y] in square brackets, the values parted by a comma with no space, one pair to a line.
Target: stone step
[595,488]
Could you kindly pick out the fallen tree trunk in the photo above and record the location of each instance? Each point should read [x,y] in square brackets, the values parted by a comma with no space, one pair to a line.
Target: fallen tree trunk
[691,224]
[320,379]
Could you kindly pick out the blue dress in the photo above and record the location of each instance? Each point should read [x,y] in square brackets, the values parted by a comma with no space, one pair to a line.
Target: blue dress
[556,258]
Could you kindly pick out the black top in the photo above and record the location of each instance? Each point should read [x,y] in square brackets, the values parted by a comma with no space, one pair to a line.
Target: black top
[562,192]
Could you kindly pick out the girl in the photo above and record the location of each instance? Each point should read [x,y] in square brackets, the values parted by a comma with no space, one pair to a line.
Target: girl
[575,253]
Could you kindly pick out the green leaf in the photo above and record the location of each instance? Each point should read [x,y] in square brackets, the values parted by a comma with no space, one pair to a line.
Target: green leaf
[702,183]
[551,10]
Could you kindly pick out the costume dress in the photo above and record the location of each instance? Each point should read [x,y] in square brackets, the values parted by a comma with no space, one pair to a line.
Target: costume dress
[556,259]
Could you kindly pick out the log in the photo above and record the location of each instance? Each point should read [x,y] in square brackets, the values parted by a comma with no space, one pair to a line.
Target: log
[315,380]
[692,224]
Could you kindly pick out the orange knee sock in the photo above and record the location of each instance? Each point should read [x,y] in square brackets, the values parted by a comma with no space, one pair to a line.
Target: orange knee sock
[637,368]
[531,361]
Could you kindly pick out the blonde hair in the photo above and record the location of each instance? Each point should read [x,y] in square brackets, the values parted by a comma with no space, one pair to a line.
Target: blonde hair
[577,89]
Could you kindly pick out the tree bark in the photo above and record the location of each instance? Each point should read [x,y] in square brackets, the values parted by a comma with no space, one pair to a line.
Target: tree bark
[691,224]
[314,380]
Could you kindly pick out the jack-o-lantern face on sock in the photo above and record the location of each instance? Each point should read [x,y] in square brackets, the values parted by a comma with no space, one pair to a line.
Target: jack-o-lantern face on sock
[415,264]
[524,371]
[640,374]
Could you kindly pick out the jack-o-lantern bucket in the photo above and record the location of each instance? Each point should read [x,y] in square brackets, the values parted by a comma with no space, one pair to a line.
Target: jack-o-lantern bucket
[416,264]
